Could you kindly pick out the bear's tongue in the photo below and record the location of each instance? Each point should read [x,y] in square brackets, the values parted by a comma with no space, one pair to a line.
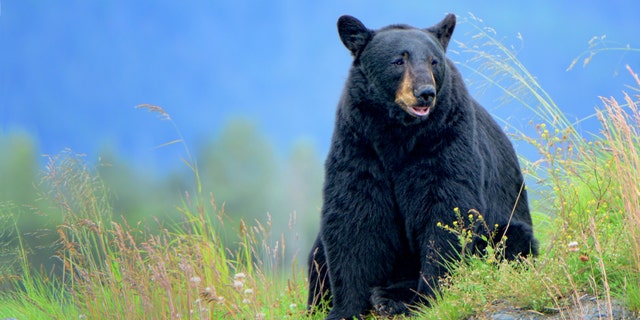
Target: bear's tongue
[420,111]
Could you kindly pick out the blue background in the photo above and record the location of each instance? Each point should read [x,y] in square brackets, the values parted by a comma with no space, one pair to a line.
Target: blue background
[71,72]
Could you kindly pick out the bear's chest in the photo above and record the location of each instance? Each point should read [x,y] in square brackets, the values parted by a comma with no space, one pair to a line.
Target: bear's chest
[398,151]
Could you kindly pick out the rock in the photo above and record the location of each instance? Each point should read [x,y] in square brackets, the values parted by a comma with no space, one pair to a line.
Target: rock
[586,307]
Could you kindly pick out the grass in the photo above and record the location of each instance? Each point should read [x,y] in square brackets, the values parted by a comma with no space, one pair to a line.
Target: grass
[588,220]
[112,269]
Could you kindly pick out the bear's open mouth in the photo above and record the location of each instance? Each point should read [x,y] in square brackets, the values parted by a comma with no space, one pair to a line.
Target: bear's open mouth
[420,111]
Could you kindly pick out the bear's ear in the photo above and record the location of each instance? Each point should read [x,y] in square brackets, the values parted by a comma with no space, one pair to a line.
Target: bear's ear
[444,29]
[353,34]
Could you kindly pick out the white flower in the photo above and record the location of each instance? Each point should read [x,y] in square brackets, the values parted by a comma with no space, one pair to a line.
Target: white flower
[573,246]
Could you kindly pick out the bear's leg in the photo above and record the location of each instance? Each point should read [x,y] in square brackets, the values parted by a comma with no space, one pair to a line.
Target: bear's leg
[520,240]
[319,289]
[394,299]
[437,247]
[361,246]
[396,296]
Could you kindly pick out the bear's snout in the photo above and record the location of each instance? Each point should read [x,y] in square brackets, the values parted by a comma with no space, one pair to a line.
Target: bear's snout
[417,100]
[425,94]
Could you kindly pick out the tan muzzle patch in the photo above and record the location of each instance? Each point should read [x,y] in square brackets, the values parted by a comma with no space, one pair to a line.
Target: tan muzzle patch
[407,100]
[404,95]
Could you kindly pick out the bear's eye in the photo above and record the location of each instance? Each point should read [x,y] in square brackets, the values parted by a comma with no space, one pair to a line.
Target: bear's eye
[398,62]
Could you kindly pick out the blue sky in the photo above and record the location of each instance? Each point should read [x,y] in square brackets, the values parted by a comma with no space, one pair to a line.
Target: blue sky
[71,72]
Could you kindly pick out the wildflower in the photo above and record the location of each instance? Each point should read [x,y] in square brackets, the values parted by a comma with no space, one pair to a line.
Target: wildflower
[260,316]
[248,291]
[238,280]
[195,279]
[209,295]
[293,306]
[573,246]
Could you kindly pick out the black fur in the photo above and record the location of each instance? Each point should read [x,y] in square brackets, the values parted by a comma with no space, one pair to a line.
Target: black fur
[392,176]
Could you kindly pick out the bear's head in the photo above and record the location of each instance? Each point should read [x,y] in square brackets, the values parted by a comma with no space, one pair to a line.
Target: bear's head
[404,66]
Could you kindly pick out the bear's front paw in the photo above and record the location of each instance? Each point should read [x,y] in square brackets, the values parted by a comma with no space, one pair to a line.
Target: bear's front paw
[386,306]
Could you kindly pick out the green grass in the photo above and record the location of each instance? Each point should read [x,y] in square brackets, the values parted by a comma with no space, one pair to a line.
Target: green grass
[587,219]
[115,270]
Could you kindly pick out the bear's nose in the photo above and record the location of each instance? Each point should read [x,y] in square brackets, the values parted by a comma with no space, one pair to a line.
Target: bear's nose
[426,92]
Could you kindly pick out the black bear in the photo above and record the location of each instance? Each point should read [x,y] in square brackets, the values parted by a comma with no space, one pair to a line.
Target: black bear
[409,146]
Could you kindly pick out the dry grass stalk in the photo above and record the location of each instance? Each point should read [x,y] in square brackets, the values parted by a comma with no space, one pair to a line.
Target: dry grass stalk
[620,129]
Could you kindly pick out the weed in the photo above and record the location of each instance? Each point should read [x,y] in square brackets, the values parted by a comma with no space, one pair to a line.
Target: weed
[111,269]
